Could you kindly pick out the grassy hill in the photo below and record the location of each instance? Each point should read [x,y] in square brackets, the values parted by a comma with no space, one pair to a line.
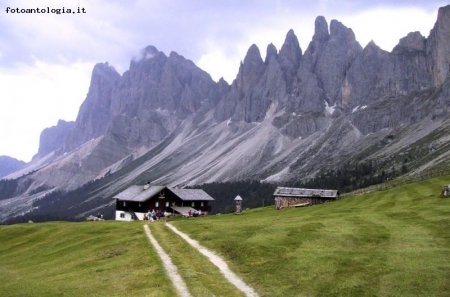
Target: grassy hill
[79,259]
[387,243]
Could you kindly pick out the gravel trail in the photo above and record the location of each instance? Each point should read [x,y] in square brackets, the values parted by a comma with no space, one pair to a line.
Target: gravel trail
[171,269]
[219,262]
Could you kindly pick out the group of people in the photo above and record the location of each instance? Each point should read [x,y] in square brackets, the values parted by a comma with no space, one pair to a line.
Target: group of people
[158,215]
[195,213]
[155,215]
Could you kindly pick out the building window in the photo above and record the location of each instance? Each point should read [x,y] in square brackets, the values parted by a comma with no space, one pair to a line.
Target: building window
[192,204]
[167,203]
[202,204]
[157,204]
[122,215]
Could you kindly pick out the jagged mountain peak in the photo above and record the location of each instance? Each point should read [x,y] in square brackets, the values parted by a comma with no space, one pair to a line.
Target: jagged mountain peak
[104,69]
[250,70]
[291,44]
[438,46]
[321,33]
[271,52]
[320,37]
[177,57]
[372,47]
[329,59]
[414,41]
[443,12]
[253,55]
[174,54]
[149,52]
[339,31]
[290,55]
[290,37]
[52,137]
[315,47]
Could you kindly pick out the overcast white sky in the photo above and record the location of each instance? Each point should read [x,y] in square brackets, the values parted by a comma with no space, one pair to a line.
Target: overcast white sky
[46,59]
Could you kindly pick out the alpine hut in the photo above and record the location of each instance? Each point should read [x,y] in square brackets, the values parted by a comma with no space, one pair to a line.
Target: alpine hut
[297,197]
[135,201]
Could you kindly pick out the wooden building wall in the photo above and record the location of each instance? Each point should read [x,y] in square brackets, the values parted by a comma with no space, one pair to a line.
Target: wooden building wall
[285,202]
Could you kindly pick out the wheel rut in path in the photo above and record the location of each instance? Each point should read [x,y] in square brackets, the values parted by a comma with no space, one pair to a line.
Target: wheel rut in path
[171,269]
[219,262]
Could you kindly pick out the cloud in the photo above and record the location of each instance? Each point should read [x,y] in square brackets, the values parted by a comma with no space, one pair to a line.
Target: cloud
[219,65]
[385,27]
[35,98]
[63,38]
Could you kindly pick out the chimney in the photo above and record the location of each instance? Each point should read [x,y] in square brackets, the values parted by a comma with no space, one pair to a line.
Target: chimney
[147,185]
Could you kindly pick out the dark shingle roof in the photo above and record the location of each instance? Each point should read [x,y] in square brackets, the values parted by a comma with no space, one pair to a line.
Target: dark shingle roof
[300,192]
[191,194]
[138,194]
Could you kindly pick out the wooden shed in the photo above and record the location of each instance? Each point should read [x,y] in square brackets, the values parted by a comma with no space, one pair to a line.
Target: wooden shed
[297,197]
[135,201]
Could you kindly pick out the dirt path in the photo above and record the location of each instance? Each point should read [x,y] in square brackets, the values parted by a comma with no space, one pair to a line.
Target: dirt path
[171,269]
[219,262]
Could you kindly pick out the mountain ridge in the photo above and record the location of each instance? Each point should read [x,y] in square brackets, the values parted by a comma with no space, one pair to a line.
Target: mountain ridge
[288,116]
[9,165]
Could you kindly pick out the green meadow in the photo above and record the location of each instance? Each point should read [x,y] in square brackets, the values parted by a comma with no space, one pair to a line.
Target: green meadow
[386,243]
[79,259]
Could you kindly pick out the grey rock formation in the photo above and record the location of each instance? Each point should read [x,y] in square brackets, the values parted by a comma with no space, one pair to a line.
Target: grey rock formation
[93,116]
[51,138]
[414,41]
[9,165]
[126,114]
[438,46]
[316,46]
[234,104]
[415,64]
[156,94]
[337,55]
[250,71]
[289,116]
[309,95]
[270,89]
[271,52]
[289,57]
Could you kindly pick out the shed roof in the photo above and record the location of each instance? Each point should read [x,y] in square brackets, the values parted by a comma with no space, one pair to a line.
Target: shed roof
[191,194]
[300,192]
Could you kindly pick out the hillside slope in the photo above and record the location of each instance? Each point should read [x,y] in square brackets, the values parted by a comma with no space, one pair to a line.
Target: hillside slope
[387,243]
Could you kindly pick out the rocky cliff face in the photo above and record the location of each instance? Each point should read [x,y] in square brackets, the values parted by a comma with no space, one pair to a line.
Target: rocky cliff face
[51,138]
[93,116]
[376,74]
[290,115]
[126,115]
[156,94]
[438,47]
